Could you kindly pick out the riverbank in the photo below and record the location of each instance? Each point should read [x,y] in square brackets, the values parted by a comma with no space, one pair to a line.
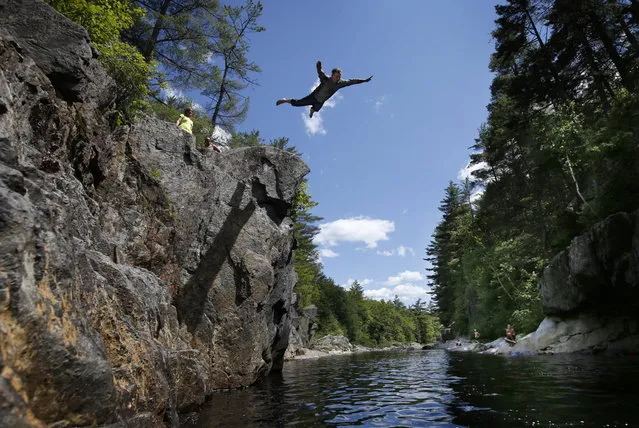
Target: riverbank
[584,334]
[339,345]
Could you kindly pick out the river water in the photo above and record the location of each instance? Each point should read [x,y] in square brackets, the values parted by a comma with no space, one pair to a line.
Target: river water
[436,388]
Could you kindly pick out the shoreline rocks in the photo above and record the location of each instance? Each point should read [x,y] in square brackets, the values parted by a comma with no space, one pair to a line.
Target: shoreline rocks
[584,333]
[330,345]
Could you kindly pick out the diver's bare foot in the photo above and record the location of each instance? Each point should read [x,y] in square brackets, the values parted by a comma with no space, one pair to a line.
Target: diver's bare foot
[282,101]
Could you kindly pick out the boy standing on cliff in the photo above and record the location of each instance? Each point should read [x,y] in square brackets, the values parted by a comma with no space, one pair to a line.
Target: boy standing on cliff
[326,89]
[185,121]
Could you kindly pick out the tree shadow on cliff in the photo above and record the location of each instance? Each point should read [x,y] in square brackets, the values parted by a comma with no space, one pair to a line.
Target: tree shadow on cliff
[193,297]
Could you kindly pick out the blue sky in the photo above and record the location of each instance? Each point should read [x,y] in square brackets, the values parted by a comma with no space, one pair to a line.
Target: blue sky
[382,153]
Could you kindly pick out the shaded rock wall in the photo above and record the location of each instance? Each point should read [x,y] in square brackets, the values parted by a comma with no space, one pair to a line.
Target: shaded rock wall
[136,275]
[303,328]
[599,271]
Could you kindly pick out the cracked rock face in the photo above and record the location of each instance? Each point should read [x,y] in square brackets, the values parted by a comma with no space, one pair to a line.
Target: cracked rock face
[136,275]
[599,271]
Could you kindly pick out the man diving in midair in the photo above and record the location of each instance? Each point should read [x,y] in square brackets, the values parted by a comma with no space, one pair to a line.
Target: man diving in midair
[326,89]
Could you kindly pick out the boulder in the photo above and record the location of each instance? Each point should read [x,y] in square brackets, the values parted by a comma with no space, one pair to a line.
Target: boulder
[330,343]
[303,327]
[597,272]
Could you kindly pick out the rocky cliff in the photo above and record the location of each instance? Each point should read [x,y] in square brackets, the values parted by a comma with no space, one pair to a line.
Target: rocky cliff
[303,328]
[136,275]
[590,293]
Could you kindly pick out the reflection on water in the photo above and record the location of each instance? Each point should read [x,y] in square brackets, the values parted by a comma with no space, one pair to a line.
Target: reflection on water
[434,388]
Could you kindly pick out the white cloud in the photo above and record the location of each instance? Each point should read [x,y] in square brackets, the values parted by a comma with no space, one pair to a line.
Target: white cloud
[379,102]
[476,195]
[350,282]
[210,58]
[401,251]
[386,253]
[404,277]
[356,229]
[198,108]
[407,293]
[220,135]
[328,253]
[403,285]
[315,125]
[170,91]
[466,172]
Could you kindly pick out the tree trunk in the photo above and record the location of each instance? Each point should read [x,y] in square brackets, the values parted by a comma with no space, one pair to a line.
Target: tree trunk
[634,10]
[574,180]
[595,71]
[631,37]
[218,104]
[157,27]
[551,66]
[611,50]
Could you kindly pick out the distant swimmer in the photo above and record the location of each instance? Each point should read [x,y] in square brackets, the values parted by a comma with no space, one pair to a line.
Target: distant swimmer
[511,337]
[326,89]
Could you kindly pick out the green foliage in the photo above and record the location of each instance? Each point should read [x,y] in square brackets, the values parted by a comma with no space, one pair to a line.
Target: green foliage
[245,139]
[104,21]
[371,322]
[178,34]
[224,83]
[560,151]
[155,173]
[130,73]
[282,144]
[153,44]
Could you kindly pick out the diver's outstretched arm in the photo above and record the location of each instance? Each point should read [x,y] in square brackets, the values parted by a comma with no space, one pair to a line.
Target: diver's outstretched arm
[356,81]
[322,76]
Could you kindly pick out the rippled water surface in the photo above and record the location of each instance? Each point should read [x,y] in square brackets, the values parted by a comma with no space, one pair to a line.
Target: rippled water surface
[434,388]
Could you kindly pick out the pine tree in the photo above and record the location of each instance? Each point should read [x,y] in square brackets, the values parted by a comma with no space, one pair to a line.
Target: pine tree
[224,85]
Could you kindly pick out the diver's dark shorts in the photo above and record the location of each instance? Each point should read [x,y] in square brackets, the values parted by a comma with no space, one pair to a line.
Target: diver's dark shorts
[308,100]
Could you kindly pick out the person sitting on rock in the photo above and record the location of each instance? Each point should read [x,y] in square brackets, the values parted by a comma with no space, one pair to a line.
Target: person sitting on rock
[326,89]
[208,144]
[476,334]
[511,337]
[185,122]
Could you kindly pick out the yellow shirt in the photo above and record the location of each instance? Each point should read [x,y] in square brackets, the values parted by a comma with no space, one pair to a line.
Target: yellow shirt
[185,123]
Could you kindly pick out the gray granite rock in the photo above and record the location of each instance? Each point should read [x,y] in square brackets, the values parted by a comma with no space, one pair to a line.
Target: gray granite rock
[598,271]
[136,275]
